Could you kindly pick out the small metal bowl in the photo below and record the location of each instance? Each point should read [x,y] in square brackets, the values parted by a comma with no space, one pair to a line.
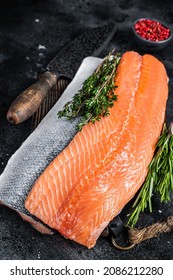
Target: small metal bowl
[148,44]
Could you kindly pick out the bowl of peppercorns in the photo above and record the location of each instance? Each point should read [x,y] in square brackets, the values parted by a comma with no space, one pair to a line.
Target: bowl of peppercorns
[152,34]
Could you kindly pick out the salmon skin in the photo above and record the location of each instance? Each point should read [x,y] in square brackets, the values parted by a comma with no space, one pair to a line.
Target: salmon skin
[39,149]
[105,164]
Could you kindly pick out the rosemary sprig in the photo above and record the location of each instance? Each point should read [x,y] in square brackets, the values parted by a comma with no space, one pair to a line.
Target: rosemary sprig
[97,94]
[159,178]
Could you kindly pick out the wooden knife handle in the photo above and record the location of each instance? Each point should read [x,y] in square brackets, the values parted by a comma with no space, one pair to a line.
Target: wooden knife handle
[27,103]
[49,101]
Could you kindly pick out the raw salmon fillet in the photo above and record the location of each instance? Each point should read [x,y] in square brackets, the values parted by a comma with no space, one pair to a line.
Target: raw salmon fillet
[105,164]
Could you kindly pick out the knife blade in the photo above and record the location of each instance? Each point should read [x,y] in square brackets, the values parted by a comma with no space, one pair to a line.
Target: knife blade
[64,64]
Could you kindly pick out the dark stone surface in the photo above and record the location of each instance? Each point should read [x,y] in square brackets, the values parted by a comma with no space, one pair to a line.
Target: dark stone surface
[25,26]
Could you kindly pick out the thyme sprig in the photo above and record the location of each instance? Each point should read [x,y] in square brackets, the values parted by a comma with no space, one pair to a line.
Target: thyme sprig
[97,94]
[159,178]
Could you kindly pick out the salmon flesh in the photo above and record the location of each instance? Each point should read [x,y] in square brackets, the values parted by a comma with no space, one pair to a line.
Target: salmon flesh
[50,137]
[105,164]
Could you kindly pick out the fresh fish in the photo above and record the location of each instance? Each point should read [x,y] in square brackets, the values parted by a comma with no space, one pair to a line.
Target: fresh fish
[105,164]
[40,148]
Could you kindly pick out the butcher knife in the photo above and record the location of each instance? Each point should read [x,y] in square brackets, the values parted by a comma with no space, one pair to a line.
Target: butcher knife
[64,64]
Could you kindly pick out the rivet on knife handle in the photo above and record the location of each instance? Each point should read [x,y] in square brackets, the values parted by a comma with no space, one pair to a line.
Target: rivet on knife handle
[27,103]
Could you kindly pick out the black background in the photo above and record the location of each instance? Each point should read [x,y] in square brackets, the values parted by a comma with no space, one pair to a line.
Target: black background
[24,27]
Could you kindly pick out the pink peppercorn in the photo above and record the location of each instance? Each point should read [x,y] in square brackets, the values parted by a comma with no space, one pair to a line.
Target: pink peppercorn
[151,30]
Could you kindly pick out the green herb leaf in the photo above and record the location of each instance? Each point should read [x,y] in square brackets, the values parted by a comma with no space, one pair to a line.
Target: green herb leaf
[159,178]
[97,94]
